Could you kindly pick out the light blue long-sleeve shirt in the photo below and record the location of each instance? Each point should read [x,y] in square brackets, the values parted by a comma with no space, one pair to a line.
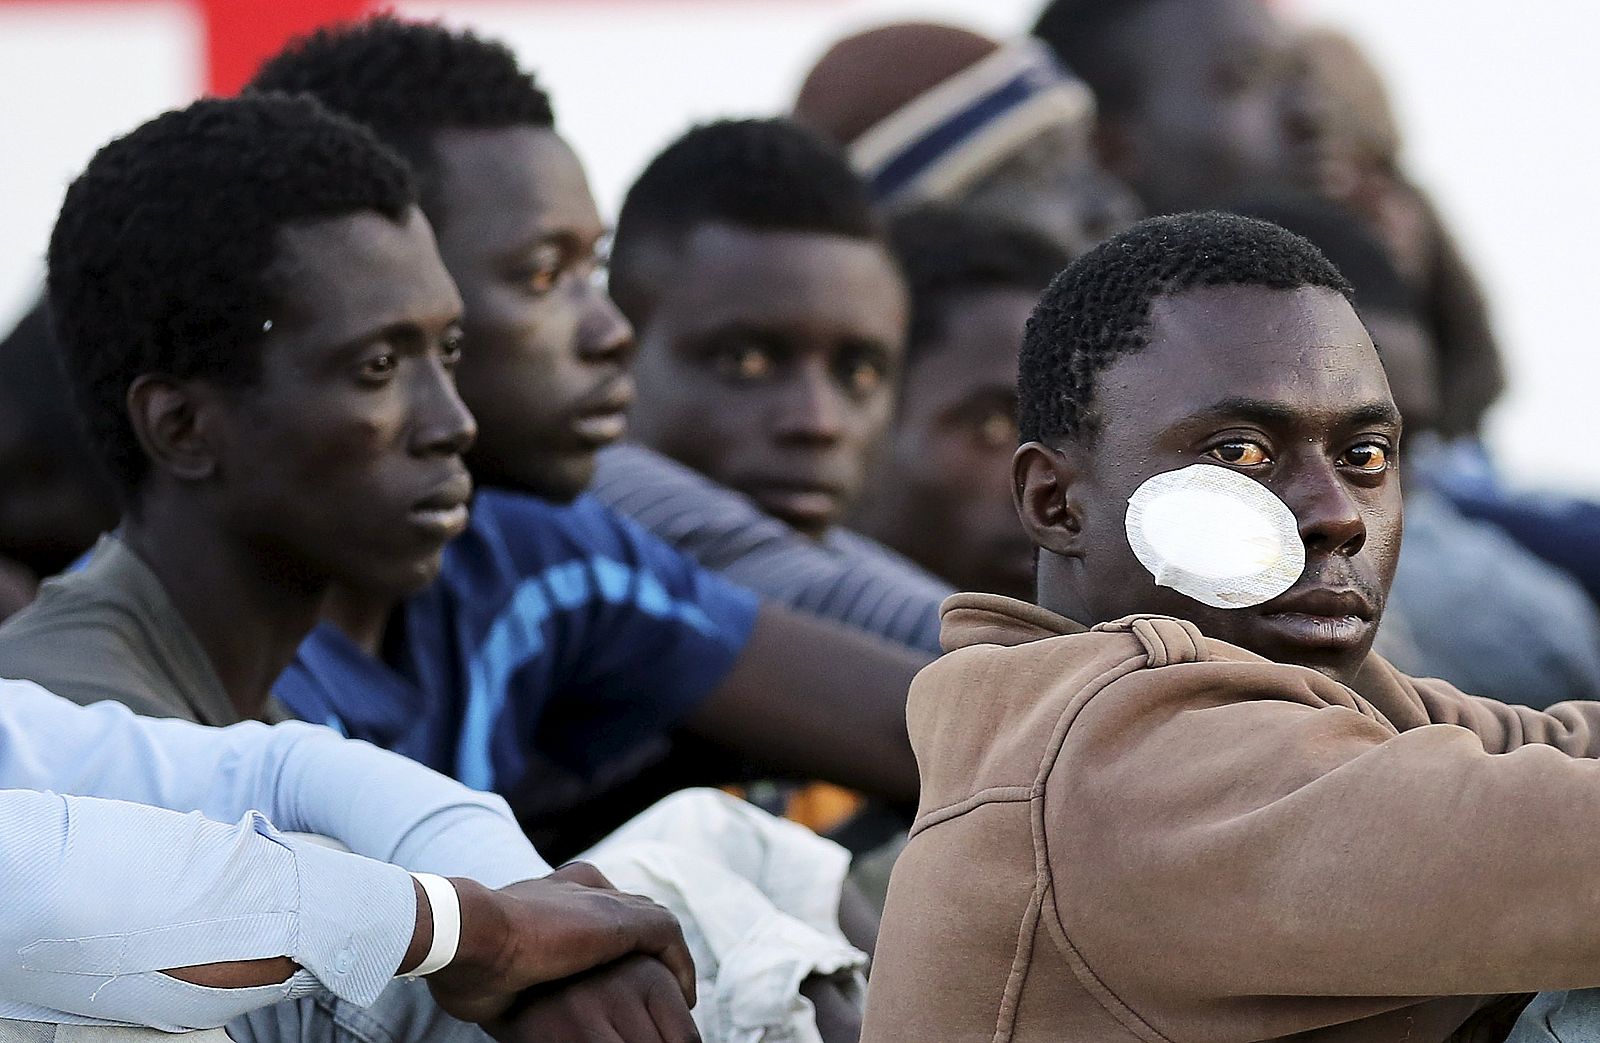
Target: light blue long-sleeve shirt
[101,895]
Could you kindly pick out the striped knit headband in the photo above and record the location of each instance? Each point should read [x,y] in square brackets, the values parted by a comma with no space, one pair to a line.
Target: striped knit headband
[937,145]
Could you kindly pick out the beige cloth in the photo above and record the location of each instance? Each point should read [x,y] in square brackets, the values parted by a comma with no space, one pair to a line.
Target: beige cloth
[1138,833]
[758,898]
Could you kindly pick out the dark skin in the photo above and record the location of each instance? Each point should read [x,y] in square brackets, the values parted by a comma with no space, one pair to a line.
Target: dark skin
[1056,185]
[345,459]
[1282,385]
[804,697]
[943,497]
[522,249]
[500,982]
[1207,116]
[767,361]
[1411,363]
[56,501]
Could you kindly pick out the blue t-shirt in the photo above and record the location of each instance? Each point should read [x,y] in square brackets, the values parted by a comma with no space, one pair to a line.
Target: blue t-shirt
[559,646]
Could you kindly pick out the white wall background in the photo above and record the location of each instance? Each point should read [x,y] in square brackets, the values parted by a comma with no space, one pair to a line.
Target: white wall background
[1498,103]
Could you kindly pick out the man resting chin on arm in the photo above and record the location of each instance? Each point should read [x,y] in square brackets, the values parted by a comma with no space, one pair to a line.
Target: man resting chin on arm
[134,914]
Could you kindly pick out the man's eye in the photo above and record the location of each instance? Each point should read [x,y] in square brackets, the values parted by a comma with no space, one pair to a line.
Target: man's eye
[997,429]
[450,348]
[862,376]
[744,363]
[544,269]
[543,280]
[1368,457]
[379,366]
[1240,454]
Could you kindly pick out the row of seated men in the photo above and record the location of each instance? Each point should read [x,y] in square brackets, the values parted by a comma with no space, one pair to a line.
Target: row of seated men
[357,388]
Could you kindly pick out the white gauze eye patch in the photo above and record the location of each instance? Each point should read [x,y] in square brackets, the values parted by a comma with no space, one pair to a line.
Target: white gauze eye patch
[1215,535]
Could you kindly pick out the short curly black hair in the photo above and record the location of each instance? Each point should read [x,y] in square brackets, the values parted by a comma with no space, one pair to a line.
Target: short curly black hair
[160,259]
[408,81]
[763,174]
[1098,310]
[1344,239]
[947,250]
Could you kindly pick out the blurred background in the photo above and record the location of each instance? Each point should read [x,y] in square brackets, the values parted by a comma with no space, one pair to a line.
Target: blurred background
[1496,105]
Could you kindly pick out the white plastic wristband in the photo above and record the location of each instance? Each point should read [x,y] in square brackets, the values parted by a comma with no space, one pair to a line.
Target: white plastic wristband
[446,924]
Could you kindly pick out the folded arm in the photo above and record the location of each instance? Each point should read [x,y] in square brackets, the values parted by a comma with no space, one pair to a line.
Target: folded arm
[302,777]
[1222,831]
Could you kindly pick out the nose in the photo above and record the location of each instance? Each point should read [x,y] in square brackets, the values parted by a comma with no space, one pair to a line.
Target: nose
[1307,108]
[1330,519]
[604,335]
[809,410]
[444,426]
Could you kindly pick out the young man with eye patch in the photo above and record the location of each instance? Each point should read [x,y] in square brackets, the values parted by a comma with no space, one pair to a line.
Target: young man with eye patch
[1179,798]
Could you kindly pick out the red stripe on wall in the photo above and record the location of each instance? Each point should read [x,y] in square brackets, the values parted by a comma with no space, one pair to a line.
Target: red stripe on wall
[241,34]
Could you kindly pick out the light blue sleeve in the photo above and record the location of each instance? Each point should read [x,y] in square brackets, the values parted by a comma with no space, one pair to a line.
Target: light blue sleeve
[302,777]
[101,896]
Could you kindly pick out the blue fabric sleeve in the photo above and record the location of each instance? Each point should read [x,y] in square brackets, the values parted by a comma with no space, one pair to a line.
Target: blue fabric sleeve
[607,643]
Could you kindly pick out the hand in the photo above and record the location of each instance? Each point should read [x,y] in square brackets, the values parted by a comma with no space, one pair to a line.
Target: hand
[635,1000]
[543,930]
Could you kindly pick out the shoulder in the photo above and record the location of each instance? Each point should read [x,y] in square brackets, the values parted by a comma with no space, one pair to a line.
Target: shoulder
[1006,710]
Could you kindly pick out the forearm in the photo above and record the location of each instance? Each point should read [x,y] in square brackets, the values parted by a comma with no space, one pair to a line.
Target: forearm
[302,777]
[1272,849]
[820,700]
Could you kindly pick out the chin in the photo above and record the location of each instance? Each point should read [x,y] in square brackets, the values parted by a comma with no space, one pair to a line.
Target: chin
[559,480]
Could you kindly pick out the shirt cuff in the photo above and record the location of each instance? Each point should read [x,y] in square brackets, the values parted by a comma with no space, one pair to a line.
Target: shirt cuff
[356,918]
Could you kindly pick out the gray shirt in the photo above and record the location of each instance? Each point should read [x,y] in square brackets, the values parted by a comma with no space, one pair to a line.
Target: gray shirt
[847,577]
[109,631]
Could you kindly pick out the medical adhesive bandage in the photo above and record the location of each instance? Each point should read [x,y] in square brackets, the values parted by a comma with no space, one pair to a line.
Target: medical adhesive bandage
[1215,535]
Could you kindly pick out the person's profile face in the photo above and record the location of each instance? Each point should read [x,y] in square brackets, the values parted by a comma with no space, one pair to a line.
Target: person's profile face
[343,460]
[546,370]
[941,494]
[768,361]
[1411,364]
[55,503]
[1284,386]
[1211,119]
[1056,186]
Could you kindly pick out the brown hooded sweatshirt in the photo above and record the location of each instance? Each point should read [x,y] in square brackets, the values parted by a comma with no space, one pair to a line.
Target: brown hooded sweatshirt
[1135,832]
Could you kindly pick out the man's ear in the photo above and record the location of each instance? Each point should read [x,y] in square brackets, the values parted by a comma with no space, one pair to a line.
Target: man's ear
[174,420]
[1043,490]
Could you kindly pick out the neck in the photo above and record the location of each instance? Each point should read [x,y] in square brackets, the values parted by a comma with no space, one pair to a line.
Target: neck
[1058,593]
[248,613]
[362,616]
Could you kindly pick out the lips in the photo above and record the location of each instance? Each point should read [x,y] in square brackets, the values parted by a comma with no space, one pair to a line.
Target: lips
[1326,618]
[444,512]
[807,506]
[603,418]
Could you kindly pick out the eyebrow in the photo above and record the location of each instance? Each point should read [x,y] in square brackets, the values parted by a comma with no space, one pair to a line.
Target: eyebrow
[1268,413]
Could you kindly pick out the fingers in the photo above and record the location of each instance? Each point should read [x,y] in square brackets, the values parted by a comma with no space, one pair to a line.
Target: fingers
[660,935]
[635,1000]
[672,1019]
[582,873]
